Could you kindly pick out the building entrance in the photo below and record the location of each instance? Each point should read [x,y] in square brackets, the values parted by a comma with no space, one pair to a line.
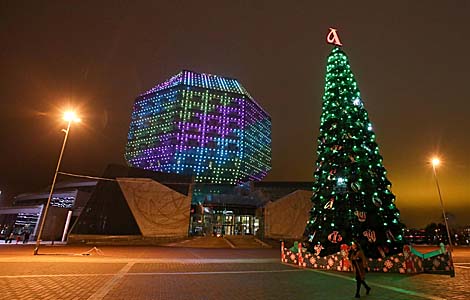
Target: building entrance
[223,222]
[234,225]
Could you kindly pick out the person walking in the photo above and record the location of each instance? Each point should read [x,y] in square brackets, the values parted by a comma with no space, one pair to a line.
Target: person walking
[26,236]
[6,231]
[11,235]
[359,263]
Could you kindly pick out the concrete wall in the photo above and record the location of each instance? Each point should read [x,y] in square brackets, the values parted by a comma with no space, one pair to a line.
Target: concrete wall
[286,218]
[54,225]
[158,210]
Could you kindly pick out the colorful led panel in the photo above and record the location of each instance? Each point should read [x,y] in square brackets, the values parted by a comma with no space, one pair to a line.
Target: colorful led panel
[202,125]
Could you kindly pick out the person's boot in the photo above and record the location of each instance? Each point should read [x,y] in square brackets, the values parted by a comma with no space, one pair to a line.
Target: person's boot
[358,289]
[367,288]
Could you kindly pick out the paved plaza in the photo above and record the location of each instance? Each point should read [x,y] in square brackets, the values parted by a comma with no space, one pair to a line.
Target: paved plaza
[221,272]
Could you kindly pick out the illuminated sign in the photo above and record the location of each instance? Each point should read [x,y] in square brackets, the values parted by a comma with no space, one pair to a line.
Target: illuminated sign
[333,38]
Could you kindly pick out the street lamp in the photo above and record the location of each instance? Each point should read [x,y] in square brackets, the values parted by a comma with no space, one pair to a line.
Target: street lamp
[435,162]
[70,117]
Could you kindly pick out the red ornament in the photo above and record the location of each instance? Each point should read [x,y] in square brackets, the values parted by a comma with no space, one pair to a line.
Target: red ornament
[345,263]
[361,215]
[318,248]
[370,235]
[336,148]
[335,237]
[330,175]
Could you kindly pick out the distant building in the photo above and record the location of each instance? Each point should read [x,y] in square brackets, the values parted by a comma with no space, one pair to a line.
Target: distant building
[466,235]
[201,125]
[25,214]
[146,207]
[416,236]
[70,194]
[141,206]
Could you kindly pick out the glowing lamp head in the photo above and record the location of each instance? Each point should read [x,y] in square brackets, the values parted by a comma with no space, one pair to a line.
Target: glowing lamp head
[70,116]
[435,161]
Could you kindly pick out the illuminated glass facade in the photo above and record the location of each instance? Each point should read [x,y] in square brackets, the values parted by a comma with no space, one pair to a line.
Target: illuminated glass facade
[202,125]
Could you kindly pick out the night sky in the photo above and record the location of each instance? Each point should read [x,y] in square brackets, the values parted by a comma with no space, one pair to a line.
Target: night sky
[411,61]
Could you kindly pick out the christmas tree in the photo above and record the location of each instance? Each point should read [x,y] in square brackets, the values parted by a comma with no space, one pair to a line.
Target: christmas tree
[352,200]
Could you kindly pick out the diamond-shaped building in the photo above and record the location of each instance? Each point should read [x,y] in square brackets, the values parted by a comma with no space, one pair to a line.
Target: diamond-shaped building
[202,125]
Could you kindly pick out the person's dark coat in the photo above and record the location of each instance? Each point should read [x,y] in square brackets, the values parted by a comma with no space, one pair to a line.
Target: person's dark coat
[359,263]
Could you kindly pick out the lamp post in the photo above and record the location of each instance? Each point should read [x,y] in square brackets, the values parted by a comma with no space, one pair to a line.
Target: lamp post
[69,117]
[435,162]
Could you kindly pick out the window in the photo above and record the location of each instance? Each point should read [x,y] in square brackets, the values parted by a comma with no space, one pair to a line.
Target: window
[213,122]
[234,103]
[233,125]
[193,143]
[233,114]
[211,144]
[193,129]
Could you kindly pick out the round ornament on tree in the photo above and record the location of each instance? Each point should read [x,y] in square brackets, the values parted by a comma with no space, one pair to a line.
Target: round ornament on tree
[335,237]
[355,186]
[377,202]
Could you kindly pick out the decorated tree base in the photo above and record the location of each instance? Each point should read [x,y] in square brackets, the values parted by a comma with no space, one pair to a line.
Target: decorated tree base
[437,262]
[406,262]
